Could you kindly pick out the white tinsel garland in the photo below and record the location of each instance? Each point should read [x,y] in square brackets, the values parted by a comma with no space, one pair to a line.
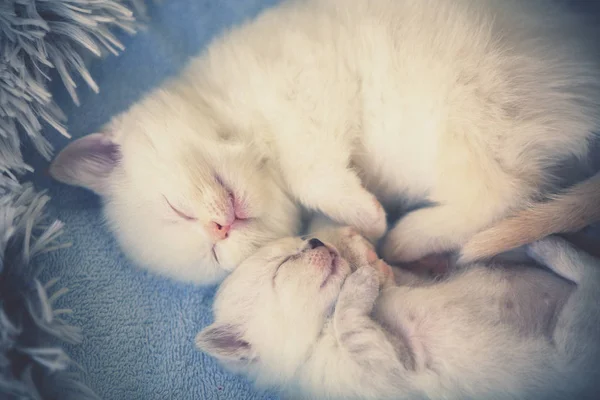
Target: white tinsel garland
[37,36]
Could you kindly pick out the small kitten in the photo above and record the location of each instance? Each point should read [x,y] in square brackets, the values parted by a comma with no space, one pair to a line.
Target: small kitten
[294,317]
[324,104]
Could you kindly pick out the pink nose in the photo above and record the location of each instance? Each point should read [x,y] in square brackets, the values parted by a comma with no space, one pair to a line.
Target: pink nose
[219,231]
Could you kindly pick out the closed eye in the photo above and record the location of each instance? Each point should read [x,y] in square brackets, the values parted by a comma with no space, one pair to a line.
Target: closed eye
[279,266]
[181,214]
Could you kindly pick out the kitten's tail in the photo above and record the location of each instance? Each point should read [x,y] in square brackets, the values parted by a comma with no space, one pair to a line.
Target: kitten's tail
[569,211]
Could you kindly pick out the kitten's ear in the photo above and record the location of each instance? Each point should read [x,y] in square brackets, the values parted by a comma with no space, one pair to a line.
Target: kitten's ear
[224,341]
[87,162]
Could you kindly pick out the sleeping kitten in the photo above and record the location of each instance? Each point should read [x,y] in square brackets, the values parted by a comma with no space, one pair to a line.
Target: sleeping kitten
[293,316]
[324,104]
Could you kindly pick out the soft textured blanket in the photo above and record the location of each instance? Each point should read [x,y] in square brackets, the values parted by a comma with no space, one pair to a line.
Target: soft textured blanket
[138,328]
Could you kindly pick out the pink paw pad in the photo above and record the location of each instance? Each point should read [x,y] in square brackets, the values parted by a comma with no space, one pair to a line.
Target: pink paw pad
[386,275]
[371,256]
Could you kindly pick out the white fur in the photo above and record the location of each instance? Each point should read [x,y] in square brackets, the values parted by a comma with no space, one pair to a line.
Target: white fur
[464,103]
[483,333]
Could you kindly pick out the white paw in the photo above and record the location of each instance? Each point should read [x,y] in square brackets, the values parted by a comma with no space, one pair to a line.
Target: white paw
[547,250]
[359,209]
[557,254]
[361,288]
[355,248]
[359,252]
[374,220]
[365,214]
[401,246]
[385,274]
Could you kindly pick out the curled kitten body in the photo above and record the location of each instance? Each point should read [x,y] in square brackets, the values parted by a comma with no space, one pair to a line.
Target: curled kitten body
[295,316]
[343,107]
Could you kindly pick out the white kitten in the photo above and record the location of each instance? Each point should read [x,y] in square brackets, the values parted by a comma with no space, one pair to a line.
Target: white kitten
[464,103]
[290,317]
[188,206]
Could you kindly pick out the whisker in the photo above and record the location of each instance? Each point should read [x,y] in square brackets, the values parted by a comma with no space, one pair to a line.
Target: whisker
[214,253]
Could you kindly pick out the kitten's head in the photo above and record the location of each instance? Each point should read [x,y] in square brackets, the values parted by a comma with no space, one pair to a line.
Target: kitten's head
[270,311]
[181,200]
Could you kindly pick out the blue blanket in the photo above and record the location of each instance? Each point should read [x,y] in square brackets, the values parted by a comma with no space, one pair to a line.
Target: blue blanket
[139,328]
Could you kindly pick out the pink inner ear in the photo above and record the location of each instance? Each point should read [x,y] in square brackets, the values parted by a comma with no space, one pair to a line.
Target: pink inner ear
[87,162]
[224,341]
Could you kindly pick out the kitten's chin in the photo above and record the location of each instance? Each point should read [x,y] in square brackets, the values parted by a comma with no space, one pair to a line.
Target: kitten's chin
[232,251]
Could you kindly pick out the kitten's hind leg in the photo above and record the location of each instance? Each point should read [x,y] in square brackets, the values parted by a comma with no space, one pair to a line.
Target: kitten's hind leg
[577,333]
[436,229]
[558,255]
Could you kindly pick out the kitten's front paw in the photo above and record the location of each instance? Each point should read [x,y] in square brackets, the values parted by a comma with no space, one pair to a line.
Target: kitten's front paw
[406,242]
[372,220]
[365,214]
[355,248]
[360,289]
[385,273]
